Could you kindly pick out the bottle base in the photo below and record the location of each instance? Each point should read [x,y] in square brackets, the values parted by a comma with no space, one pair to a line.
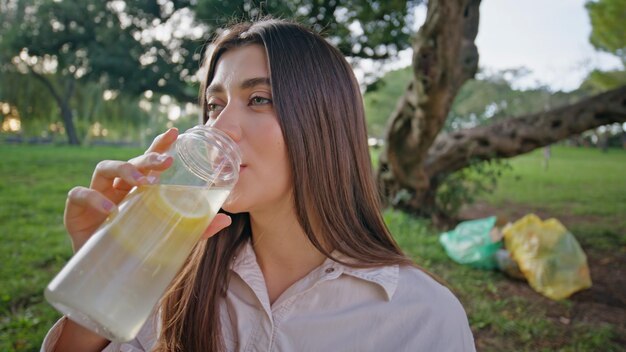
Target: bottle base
[87,321]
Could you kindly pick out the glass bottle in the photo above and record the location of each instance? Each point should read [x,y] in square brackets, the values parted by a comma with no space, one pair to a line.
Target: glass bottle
[113,283]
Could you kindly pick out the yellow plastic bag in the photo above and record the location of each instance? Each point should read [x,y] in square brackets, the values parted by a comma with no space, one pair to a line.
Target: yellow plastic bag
[548,255]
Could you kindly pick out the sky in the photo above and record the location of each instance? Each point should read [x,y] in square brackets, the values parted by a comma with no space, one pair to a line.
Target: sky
[549,37]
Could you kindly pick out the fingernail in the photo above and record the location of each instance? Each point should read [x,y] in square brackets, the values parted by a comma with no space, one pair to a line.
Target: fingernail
[107,206]
[137,175]
[151,179]
[162,157]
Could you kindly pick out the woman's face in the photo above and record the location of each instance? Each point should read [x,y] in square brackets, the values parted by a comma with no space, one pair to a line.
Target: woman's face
[239,101]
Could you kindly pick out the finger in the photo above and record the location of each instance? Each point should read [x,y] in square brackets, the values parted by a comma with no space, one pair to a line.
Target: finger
[160,145]
[163,141]
[220,222]
[85,210]
[152,161]
[144,163]
[81,198]
[107,170]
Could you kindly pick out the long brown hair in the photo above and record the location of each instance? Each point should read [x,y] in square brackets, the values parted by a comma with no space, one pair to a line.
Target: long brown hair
[320,111]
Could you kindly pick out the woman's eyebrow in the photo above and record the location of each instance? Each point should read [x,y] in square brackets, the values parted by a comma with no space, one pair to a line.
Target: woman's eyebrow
[214,89]
[253,82]
[246,84]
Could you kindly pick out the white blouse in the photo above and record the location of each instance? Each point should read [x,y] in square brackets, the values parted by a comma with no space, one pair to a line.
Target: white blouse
[334,308]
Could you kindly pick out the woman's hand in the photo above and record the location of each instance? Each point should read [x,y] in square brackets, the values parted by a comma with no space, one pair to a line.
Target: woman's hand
[87,208]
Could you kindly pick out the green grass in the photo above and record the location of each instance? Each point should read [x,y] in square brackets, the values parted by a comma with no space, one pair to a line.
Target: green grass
[34,182]
[579,180]
[584,186]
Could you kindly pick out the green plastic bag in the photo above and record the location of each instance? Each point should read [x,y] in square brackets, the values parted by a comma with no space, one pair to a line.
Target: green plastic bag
[470,243]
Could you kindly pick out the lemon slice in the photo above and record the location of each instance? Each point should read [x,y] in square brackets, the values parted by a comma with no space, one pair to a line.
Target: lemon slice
[161,223]
[187,203]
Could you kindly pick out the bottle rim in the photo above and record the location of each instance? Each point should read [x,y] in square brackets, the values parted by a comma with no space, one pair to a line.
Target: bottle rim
[217,139]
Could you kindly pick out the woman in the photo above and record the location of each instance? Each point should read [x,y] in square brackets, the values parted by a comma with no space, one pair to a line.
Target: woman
[301,259]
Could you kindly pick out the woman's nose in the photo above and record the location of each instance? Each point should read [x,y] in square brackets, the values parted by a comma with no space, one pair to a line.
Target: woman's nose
[228,122]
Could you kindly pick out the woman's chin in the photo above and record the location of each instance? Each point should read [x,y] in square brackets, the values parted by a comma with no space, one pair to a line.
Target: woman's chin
[232,207]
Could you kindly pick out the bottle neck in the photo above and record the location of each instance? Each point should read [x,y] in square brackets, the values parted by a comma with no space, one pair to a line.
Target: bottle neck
[210,155]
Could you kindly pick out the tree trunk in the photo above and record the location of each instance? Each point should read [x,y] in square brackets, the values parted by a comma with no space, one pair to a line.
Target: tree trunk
[63,102]
[444,57]
[68,122]
[416,159]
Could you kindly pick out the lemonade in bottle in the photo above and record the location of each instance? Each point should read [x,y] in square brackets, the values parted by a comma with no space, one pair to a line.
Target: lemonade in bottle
[112,284]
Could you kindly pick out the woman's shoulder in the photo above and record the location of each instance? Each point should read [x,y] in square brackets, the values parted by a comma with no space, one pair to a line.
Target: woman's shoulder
[431,310]
[416,280]
[418,286]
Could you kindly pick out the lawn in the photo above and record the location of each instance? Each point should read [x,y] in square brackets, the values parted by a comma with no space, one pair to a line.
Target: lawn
[34,181]
[580,182]
[584,188]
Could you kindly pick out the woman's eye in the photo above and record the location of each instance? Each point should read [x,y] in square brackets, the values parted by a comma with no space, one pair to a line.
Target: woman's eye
[213,110]
[213,107]
[260,101]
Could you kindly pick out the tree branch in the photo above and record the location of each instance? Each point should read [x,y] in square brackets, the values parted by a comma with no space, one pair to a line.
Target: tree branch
[46,82]
[515,136]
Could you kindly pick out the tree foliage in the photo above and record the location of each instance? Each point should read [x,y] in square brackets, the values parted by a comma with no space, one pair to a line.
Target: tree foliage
[608,34]
[608,31]
[359,28]
[105,42]
[600,81]
[113,44]
[21,91]
[133,46]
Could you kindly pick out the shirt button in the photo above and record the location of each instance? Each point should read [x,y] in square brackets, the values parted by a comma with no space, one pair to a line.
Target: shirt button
[329,270]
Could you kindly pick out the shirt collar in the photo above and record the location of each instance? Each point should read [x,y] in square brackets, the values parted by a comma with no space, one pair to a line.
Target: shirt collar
[384,276]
